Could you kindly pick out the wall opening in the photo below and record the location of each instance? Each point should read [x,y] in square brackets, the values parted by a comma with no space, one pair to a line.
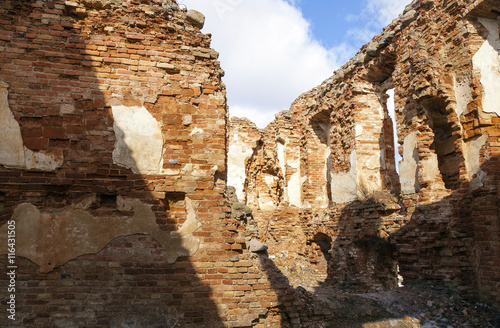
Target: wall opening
[444,141]
[391,108]
[325,244]
[319,164]
[322,245]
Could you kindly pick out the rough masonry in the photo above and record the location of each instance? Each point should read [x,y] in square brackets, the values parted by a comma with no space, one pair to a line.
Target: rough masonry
[117,150]
[322,179]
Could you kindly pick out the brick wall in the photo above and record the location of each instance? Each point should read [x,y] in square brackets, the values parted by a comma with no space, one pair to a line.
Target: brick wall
[440,213]
[113,166]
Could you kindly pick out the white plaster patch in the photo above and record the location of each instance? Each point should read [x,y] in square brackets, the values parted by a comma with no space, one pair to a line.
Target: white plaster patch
[373,162]
[237,155]
[430,171]
[43,161]
[294,163]
[408,174]
[295,190]
[282,157]
[13,153]
[344,185]
[266,206]
[11,147]
[139,140]
[191,224]
[270,180]
[463,96]
[487,60]
[381,112]
[471,151]
[197,131]
[359,130]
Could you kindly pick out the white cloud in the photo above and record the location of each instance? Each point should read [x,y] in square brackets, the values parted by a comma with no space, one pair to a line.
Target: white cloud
[270,55]
[386,10]
[267,51]
[376,15]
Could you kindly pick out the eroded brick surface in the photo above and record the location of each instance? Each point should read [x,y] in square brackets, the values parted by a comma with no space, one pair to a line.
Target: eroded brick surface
[89,83]
[323,182]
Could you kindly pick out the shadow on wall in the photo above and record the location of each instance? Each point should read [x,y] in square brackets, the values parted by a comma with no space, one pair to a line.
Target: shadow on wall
[104,248]
[361,256]
[457,238]
[452,241]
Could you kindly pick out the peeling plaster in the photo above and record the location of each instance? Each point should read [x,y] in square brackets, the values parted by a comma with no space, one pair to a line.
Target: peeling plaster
[282,157]
[359,130]
[52,239]
[237,155]
[139,140]
[463,96]
[344,185]
[471,151]
[430,172]
[13,153]
[487,60]
[408,169]
[295,190]
[265,199]
[182,242]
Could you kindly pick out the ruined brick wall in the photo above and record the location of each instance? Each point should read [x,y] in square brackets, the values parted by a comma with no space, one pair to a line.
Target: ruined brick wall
[113,168]
[243,136]
[441,59]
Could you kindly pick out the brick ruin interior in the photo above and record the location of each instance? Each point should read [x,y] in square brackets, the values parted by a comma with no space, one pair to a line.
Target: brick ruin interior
[117,155]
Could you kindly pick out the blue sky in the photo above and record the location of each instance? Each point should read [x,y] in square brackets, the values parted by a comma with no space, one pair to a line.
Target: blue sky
[330,20]
[274,50]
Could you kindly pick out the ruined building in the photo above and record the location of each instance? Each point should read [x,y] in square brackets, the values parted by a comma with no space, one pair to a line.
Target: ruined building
[116,155]
[322,176]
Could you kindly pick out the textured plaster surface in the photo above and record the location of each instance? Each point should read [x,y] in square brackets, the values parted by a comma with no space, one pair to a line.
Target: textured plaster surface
[471,150]
[430,172]
[181,242]
[463,95]
[487,60]
[13,153]
[408,166]
[139,140]
[294,187]
[51,239]
[344,185]
[238,152]
[295,190]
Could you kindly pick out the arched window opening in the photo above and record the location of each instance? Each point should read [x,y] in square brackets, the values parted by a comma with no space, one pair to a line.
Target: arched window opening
[325,244]
[322,244]
[443,144]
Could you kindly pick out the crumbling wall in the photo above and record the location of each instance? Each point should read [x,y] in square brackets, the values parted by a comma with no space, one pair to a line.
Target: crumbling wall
[440,58]
[243,136]
[113,168]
